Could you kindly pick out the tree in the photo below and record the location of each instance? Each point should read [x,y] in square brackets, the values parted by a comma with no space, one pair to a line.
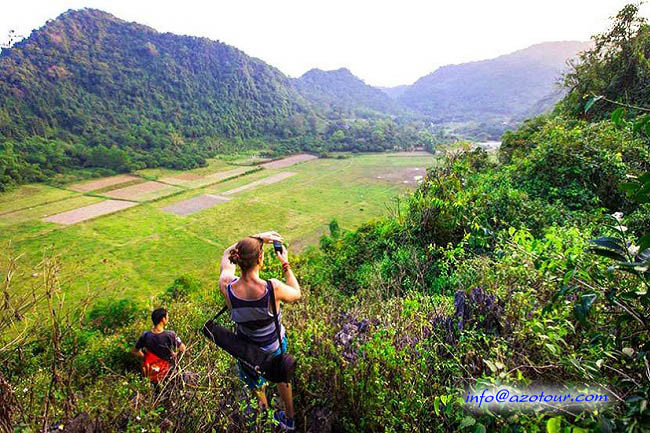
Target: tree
[339,135]
[617,67]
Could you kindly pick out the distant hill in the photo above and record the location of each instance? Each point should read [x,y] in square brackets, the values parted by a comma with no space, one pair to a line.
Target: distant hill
[394,92]
[340,90]
[90,75]
[544,105]
[502,88]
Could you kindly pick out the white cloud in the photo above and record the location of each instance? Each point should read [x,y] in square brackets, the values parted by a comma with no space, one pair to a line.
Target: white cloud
[383,42]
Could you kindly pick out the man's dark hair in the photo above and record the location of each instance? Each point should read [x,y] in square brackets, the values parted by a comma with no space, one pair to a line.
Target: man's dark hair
[157,315]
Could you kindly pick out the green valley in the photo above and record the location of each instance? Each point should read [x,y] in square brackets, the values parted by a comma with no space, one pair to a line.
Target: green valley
[140,250]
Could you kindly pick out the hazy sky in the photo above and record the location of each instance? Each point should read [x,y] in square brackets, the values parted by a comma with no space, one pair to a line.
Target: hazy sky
[383,42]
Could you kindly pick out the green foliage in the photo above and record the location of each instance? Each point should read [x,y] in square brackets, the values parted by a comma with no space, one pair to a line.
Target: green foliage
[112,158]
[141,88]
[616,69]
[638,189]
[335,229]
[111,314]
[630,256]
[577,163]
[338,135]
[340,94]
[471,223]
[521,141]
[182,287]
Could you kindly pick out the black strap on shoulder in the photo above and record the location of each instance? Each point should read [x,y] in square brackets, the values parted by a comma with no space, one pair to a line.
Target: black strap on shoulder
[223,310]
[275,313]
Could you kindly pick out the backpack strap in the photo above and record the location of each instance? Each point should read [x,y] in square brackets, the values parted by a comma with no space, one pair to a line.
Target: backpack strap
[275,313]
[223,310]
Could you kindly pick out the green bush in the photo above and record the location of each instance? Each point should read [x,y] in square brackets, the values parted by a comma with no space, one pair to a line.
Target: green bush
[580,164]
[519,142]
[182,287]
[111,314]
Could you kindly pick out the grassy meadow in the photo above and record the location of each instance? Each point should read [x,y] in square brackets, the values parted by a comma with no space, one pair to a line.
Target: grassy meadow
[139,251]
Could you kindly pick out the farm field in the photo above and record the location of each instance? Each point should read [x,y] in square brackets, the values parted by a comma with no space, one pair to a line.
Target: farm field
[138,251]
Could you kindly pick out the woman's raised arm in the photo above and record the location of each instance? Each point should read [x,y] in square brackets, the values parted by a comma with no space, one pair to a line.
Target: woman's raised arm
[289,291]
[226,272]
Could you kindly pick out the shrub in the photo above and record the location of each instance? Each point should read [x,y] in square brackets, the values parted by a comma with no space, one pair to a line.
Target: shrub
[112,352]
[182,287]
[519,142]
[111,314]
[579,164]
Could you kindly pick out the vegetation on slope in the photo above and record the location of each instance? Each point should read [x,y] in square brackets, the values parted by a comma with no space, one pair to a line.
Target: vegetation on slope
[497,273]
[90,94]
[341,93]
[88,74]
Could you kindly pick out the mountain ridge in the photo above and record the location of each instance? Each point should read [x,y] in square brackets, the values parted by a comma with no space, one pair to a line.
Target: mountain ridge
[501,87]
[341,89]
[338,90]
[82,48]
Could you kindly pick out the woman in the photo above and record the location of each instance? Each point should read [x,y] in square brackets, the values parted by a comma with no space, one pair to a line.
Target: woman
[249,301]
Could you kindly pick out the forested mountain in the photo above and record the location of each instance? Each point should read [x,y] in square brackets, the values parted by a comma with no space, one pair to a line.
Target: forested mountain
[502,88]
[543,105]
[88,74]
[91,91]
[341,91]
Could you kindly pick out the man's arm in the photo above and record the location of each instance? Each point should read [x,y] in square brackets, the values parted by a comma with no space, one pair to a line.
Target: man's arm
[179,344]
[137,350]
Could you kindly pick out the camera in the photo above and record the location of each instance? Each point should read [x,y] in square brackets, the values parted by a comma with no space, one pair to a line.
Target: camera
[277,246]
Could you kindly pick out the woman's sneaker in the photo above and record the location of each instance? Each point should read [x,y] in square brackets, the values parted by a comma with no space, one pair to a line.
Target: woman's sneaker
[286,423]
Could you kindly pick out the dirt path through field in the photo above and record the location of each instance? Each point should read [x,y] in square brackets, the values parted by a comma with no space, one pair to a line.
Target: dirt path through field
[194,205]
[143,191]
[193,181]
[128,196]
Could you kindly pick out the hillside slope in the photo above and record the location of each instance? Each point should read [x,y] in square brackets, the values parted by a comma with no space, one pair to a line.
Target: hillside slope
[340,90]
[90,75]
[500,88]
[395,92]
